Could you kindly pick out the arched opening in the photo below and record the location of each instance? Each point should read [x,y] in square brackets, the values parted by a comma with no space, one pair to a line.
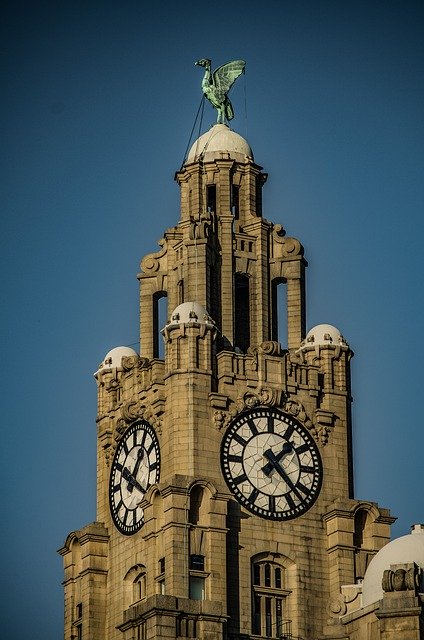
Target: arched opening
[196,497]
[279,326]
[160,316]
[241,312]
[362,542]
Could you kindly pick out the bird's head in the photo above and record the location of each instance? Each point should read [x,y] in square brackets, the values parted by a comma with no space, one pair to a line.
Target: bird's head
[204,62]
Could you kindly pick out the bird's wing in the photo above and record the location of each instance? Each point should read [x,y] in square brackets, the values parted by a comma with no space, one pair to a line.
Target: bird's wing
[226,75]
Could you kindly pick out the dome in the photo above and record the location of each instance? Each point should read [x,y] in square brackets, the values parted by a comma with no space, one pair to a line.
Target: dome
[409,548]
[113,358]
[218,140]
[190,313]
[323,335]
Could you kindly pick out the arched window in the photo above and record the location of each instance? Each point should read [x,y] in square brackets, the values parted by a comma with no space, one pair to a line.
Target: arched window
[279,311]
[241,312]
[135,584]
[139,587]
[362,542]
[160,316]
[268,600]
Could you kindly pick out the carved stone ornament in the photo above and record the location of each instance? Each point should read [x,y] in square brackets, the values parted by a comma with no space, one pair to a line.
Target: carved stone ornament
[321,424]
[264,396]
[110,445]
[131,411]
[297,410]
[400,579]
[269,348]
[129,362]
[200,226]
[285,247]
[337,606]
[151,262]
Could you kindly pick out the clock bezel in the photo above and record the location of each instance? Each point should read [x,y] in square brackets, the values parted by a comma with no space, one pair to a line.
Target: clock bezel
[290,421]
[122,527]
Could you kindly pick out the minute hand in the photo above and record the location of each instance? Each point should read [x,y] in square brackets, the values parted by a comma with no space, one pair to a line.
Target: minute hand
[273,460]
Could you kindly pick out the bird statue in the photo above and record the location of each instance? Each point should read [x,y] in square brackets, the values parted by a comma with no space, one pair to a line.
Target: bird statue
[216,85]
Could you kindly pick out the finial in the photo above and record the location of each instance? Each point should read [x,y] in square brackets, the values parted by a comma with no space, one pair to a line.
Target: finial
[216,86]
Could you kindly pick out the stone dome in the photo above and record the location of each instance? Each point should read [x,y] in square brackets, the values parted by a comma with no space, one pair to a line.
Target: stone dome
[323,335]
[113,358]
[219,140]
[189,313]
[409,548]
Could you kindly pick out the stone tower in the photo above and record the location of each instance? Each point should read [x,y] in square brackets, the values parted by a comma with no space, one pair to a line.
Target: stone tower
[225,503]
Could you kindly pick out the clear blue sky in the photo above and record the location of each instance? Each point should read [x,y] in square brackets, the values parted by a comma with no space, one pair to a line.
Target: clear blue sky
[99,99]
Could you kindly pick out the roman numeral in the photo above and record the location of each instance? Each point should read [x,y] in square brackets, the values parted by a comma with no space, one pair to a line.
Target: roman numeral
[125,448]
[270,425]
[119,466]
[116,488]
[153,466]
[271,503]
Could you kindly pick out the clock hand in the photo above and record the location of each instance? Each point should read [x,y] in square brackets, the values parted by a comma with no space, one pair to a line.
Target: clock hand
[140,456]
[270,455]
[287,447]
[132,482]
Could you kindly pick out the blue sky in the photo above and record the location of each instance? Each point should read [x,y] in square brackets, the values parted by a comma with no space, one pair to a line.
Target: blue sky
[99,100]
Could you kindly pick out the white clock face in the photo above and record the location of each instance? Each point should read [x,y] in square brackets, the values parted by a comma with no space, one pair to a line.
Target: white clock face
[135,468]
[271,464]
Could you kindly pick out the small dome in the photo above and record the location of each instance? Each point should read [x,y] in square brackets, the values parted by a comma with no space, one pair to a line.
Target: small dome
[220,139]
[323,335]
[113,358]
[190,313]
[403,550]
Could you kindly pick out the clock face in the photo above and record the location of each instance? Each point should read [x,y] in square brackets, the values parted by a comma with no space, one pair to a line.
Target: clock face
[271,464]
[135,468]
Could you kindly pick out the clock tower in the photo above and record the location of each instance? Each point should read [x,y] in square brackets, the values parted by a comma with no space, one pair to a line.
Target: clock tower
[225,504]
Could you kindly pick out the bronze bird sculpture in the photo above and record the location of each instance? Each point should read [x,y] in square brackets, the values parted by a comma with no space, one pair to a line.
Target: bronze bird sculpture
[216,85]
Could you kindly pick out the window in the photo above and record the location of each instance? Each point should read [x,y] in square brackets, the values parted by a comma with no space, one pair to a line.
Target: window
[78,610]
[160,316]
[268,596]
[279,311]
[197,562]
[241,312]
[139,590]
[197,588]
[161,565]
[235,200]
[161,577]
[211,197]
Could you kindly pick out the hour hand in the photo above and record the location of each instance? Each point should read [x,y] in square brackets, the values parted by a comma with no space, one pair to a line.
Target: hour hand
[132,482]
[273,460]
[140,456]
[287,448]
